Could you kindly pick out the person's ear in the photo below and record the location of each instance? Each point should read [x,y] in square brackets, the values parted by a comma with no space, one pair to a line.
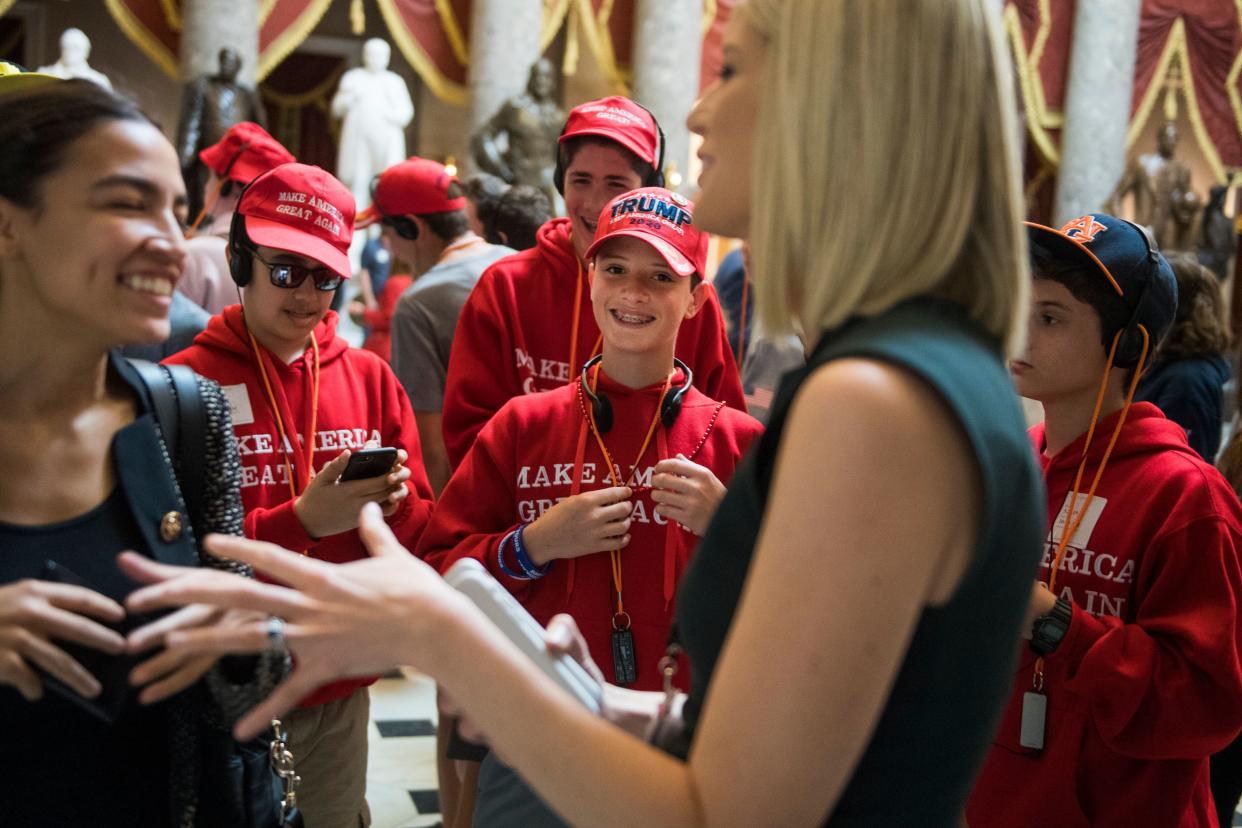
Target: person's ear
[504,237]
[698,297]
[9,217]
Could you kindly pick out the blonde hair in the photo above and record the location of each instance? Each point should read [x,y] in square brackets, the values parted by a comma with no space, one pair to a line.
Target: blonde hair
[885,163]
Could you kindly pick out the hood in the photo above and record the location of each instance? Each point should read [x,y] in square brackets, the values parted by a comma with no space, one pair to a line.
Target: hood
[227,332]
[553,241]
[1147,431]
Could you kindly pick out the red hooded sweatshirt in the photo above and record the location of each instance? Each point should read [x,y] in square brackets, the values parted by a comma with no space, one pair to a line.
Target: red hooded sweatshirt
[359,400]
[1146,683]
[536,451]
[513,338]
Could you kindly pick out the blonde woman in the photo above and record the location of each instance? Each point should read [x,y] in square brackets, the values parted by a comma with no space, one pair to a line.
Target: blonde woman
[852,616]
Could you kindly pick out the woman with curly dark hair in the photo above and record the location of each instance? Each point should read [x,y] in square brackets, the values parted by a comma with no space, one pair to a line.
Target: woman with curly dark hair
[1187,379]
[97,733]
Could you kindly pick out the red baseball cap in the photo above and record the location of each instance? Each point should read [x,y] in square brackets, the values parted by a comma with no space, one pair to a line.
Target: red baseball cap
[661,218]
[416,186]
[301,209]
[618,119]
[244,153]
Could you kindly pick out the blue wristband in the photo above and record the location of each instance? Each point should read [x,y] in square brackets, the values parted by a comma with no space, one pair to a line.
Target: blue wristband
[523,557]
[500,559]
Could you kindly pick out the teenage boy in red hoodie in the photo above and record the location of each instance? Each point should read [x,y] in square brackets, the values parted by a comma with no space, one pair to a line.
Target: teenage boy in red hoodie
[1131,678]
[527,325]
[589,499]
[302,400]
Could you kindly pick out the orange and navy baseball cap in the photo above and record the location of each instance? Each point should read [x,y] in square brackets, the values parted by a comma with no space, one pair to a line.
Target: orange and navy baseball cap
[618,119]
[1125,255]
[661,218]
[415,187]
[301,209]
[244,153]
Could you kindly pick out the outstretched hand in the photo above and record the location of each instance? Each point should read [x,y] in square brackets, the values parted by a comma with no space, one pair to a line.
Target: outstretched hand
[341,620]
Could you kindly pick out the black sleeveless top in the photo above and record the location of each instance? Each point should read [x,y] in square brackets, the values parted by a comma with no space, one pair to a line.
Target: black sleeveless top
[938,721]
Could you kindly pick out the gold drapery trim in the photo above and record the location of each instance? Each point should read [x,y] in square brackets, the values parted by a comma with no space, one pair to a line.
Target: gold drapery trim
[265,9]
[5,5]
[1231,81]
[1039,119]
[291,38]
[442,87]
[554,12]
[172,14]
[141,37]
[1175,49]
[452,32]
[599,40]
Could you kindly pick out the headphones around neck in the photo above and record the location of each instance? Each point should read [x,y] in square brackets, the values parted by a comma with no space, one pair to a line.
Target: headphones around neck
[1130,338]
[655,179]
[602,408]
[404,226]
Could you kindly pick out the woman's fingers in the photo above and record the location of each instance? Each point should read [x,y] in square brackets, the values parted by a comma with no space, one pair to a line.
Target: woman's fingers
[376,535]
[172,683]
[152,635]
[251,637]
[146,571]
[287,694]
[40,652]
[268,558]
[15,673]
[54,622]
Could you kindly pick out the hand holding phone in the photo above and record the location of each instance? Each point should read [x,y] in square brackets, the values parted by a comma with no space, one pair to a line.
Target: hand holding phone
[70,640]
[330,504]
[369,462]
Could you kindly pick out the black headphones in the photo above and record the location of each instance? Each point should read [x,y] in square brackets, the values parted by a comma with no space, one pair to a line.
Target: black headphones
[1131,337]
[655,179]
[602,408]
[404,226]
[240,267]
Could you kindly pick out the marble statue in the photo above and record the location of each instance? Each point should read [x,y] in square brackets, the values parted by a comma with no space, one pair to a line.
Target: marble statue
[375,107]
[75,48]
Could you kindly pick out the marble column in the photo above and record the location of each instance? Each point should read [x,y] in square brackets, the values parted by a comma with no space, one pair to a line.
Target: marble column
[1097,105]
[504,43]
[209,25]
[668,45]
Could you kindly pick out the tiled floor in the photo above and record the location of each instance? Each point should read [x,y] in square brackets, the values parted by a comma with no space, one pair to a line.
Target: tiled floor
[401,770]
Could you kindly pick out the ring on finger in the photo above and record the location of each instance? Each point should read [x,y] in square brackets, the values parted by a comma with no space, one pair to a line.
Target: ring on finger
[276,634]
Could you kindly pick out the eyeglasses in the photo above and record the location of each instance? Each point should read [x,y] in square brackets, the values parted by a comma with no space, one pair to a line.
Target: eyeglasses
[290,276]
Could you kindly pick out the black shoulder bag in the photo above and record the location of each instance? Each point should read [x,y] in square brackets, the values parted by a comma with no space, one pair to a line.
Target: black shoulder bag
[248,784]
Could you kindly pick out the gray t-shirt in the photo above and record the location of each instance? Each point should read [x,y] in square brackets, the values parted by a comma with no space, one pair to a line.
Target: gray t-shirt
[423,324]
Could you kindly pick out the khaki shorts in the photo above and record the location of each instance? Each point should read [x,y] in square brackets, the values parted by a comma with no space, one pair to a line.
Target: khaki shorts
[329,747]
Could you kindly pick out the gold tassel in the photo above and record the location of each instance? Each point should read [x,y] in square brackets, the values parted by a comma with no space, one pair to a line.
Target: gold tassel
[569,66]
[357,18]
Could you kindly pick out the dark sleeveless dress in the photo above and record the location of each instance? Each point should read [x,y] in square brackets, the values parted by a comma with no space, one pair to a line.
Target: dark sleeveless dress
[937,723]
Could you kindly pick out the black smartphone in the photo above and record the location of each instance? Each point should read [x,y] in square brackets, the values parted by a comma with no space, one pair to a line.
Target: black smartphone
[112,671]
[369,462]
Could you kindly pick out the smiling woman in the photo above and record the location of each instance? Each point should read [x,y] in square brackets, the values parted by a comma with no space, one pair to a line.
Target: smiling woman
[91,205]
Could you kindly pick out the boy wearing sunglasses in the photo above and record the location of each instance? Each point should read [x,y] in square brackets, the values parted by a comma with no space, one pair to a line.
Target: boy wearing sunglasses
[302,400]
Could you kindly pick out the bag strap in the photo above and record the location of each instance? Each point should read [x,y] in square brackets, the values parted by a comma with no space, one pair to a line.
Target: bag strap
[178,408]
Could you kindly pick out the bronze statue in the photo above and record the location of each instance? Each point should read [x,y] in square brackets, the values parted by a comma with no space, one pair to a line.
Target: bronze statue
[519,144]
[1163,199]
[210,106]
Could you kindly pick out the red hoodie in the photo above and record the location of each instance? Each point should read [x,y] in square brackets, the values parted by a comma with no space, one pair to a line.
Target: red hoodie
[528,457]
[513,337]
[1147,683]
[359,400]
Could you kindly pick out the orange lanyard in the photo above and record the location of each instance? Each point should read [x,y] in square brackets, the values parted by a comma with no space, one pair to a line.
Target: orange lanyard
[309,438]
[1074,519]
[573,330]
[614,472]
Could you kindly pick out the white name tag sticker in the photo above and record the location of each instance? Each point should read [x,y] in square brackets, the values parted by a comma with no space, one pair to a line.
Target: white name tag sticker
[1083,533]
[239,404]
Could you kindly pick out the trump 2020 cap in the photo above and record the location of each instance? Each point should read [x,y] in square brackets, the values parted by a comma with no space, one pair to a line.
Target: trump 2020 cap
[662,219]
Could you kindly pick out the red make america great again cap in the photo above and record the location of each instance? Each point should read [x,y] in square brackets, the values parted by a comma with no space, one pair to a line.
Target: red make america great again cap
[661,218]
[301,209]
[620,120]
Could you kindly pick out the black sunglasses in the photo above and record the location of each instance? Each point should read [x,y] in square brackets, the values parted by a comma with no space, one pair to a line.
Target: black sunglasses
[290,276]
